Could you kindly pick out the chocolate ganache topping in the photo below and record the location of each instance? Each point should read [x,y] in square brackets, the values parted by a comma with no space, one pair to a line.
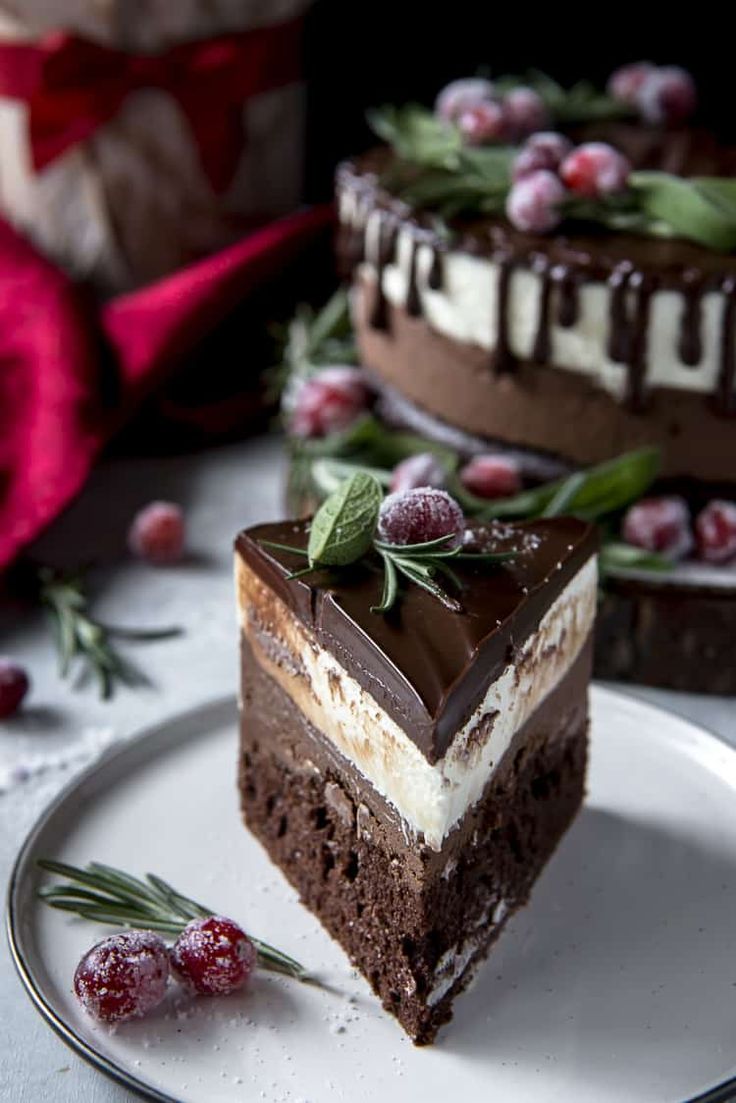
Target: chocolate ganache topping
[633,266]
[424,664]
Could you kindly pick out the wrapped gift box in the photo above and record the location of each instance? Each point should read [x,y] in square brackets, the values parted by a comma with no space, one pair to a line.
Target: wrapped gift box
[134,199]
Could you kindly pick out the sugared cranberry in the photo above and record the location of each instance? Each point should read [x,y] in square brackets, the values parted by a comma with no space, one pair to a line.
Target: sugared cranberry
[157,533]
[715,532]
[459,95]
[625,83]
[533,204]
[213,956]
[595,169]
[329,402]
[415,516]
[481,123]
[423,469]
[667,96]
[545,150]
[660,525]
[491,476]
[123,977]
[14,684]
[525,111]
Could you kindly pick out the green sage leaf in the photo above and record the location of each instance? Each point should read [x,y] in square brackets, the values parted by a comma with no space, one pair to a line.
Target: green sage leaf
[343,526]
[700,208]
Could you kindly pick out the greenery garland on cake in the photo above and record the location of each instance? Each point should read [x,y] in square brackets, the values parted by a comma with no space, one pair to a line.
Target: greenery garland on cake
[490,148]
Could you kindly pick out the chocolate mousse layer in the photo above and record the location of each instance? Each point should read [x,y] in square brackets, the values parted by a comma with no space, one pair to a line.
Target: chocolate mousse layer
[556,412]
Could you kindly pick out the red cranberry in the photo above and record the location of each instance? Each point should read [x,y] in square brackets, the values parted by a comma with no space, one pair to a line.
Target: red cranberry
[459,95]
[329,402]
[423,469]
[213,956]
[414,516]
[157,533]
[491,476]
[481,123]
[595,169]
[715,531]
[659,525]
[525,111]
[533,204]
[123,977]
[14,684]
[625,82]
[545,150]
[667,96]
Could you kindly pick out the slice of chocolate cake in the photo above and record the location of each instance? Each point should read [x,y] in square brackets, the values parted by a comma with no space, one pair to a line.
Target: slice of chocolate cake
[411,772]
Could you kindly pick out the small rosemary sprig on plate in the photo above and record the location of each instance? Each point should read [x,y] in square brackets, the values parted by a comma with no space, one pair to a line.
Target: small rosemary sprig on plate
[343,531]
[114,898]
[79,637]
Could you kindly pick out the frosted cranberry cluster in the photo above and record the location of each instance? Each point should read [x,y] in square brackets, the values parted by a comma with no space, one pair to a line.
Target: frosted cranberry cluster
[487,475]
[548,170]
[661,94]
[483,115]
[665,525]
[328,402]
[126,975]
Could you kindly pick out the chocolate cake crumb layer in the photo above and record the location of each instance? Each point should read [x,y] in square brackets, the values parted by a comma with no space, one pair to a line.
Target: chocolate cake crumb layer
[414,921]
[539,407]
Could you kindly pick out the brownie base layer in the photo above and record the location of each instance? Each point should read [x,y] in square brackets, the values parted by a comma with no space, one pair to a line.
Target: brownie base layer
[560,413]
[667,636]
[415,922]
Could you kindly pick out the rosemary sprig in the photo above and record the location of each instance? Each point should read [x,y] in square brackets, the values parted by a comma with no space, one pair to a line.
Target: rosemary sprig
[417,563]
[104,894]
[80,638]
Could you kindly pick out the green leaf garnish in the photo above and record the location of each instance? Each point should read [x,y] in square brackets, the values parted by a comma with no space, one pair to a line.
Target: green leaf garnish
[700,208]
[589,494]
[616,555]
[103,894]
[343,526]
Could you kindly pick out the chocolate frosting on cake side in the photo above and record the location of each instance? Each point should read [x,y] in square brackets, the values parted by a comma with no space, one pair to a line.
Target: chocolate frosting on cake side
[424,664]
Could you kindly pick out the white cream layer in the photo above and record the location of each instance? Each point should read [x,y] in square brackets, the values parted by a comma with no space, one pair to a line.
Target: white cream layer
[465,309]
[430,799]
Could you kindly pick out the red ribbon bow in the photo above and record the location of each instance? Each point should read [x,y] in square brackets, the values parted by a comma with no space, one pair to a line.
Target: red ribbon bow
[74,86]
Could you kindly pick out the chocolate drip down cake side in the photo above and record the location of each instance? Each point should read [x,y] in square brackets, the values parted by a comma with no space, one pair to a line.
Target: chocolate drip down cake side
[411,772]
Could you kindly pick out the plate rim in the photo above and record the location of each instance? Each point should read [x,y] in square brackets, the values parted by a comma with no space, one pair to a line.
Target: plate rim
[722,1092]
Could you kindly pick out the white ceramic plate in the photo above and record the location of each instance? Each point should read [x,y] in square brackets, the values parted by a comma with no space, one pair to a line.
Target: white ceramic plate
[617,983]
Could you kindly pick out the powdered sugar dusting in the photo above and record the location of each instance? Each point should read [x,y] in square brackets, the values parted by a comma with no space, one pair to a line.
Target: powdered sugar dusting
[30,764]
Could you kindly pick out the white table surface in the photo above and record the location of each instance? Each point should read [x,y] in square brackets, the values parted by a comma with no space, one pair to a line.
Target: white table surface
[222,490]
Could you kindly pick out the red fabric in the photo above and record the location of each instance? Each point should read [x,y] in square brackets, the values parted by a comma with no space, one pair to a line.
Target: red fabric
[53,414]
[73,86]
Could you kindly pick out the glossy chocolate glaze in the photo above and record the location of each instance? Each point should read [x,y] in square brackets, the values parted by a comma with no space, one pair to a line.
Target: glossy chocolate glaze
[424,664]
[633,265]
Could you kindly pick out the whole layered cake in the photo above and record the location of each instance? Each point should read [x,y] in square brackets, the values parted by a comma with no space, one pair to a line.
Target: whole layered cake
[414,734]
[543,284]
